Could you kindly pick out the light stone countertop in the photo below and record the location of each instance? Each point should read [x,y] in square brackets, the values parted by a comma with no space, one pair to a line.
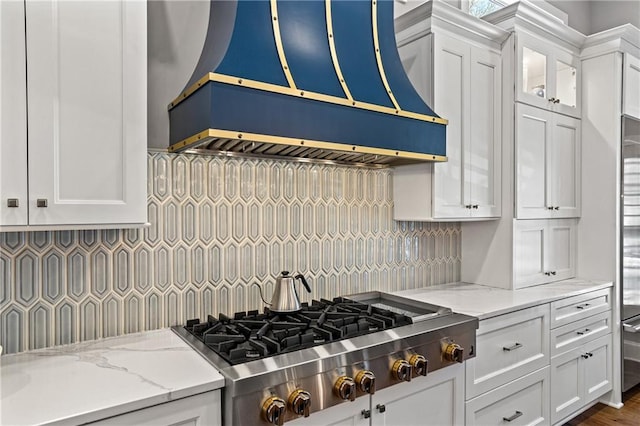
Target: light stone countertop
[87,381]
[485,302]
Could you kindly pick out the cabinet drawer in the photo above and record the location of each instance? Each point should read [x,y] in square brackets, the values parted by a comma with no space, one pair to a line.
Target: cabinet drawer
[508,347]
[522,402]
[576,308]
[575,334]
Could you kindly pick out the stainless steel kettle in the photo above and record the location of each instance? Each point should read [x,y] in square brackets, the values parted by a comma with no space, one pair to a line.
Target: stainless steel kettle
[285,297]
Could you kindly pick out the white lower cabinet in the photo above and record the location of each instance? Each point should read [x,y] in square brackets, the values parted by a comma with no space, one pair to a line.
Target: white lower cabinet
[579,377]
[544,251]
[198,410]
[437,399]
[508,347]
[524,401]
[541,365]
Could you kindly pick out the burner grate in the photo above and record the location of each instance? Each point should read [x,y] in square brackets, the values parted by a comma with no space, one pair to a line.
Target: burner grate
[252,335]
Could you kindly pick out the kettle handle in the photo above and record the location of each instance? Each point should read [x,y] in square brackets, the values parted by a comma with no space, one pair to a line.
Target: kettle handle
[304,282]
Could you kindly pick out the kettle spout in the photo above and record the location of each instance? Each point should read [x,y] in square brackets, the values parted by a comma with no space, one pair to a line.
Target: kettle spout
[260,290]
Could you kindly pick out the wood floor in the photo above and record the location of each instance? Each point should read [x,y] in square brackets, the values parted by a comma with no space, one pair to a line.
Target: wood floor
[603,415]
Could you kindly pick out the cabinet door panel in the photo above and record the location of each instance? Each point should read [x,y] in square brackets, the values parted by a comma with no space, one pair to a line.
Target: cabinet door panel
[564,160]
[436,399]
[532,139]
[597,368]
[567,383]
[13,114]
[483,151]
[566,82]
[533,71]
[451,59]
[560,261]
[529,253]
[631,80]
[87,111]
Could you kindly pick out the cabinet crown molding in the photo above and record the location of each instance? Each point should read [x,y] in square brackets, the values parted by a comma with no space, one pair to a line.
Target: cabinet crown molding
[432,14]
[525,14]
[625,38]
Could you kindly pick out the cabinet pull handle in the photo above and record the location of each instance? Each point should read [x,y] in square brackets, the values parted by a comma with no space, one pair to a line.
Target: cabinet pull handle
[557,101]
[547,274]
[552,100]
[468,206]
[366,413]
[556,207]
[585,356]
[512,348]
[584,305]
[381,408]
[586,330]
[513,416]
[475,206]
[589,354]
[553,272]
[42,202]
[13,202]
[549,207]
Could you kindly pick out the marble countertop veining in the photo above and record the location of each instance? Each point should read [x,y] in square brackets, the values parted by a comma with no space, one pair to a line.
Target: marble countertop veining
[485,302]
[88,381]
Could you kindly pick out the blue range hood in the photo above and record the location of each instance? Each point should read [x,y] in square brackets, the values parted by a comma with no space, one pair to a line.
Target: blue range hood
[317,79]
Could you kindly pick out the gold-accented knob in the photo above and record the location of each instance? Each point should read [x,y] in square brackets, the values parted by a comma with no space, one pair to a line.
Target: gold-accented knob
[453,352]
[300,402]
[273,410]
[419,364]
[402,370]
[345,388]
[366,381]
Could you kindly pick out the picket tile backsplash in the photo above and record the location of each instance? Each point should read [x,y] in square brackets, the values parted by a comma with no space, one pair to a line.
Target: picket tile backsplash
[218,225]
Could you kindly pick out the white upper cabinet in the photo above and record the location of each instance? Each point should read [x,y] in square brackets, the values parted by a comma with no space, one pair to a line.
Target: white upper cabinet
[86,108]
[631,83]
[547,164]
[461,79]
[544,251]
[547,76]
[13,115]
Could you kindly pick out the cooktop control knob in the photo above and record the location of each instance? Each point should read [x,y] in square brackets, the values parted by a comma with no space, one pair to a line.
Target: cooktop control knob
[345,388]
[273,410]
[300,402]
[454,352]
[366,381]
[402,370]
[419,364]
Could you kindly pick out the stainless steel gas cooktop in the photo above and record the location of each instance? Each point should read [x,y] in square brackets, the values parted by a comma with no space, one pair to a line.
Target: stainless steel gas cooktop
[281,366]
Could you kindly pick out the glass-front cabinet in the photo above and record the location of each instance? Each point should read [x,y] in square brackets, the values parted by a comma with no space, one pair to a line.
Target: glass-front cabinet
[548,76]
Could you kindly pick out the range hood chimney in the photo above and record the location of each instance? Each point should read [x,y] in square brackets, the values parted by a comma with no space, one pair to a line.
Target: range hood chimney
[314,79]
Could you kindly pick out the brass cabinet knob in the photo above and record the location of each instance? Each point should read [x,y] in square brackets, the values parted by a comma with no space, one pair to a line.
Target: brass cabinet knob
[454,352]
[402,370]
[300,402]
[345,388]
[419,364]
[273,410]
[366,381]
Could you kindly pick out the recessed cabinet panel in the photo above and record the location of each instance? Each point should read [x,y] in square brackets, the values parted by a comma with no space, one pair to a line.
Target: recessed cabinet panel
[451,71]
[86,84]
[483,153]
[13,115]
[631,81]
[547,164]
[533,130]
[567,383]
[544,251]
[462,82]
[597,368]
